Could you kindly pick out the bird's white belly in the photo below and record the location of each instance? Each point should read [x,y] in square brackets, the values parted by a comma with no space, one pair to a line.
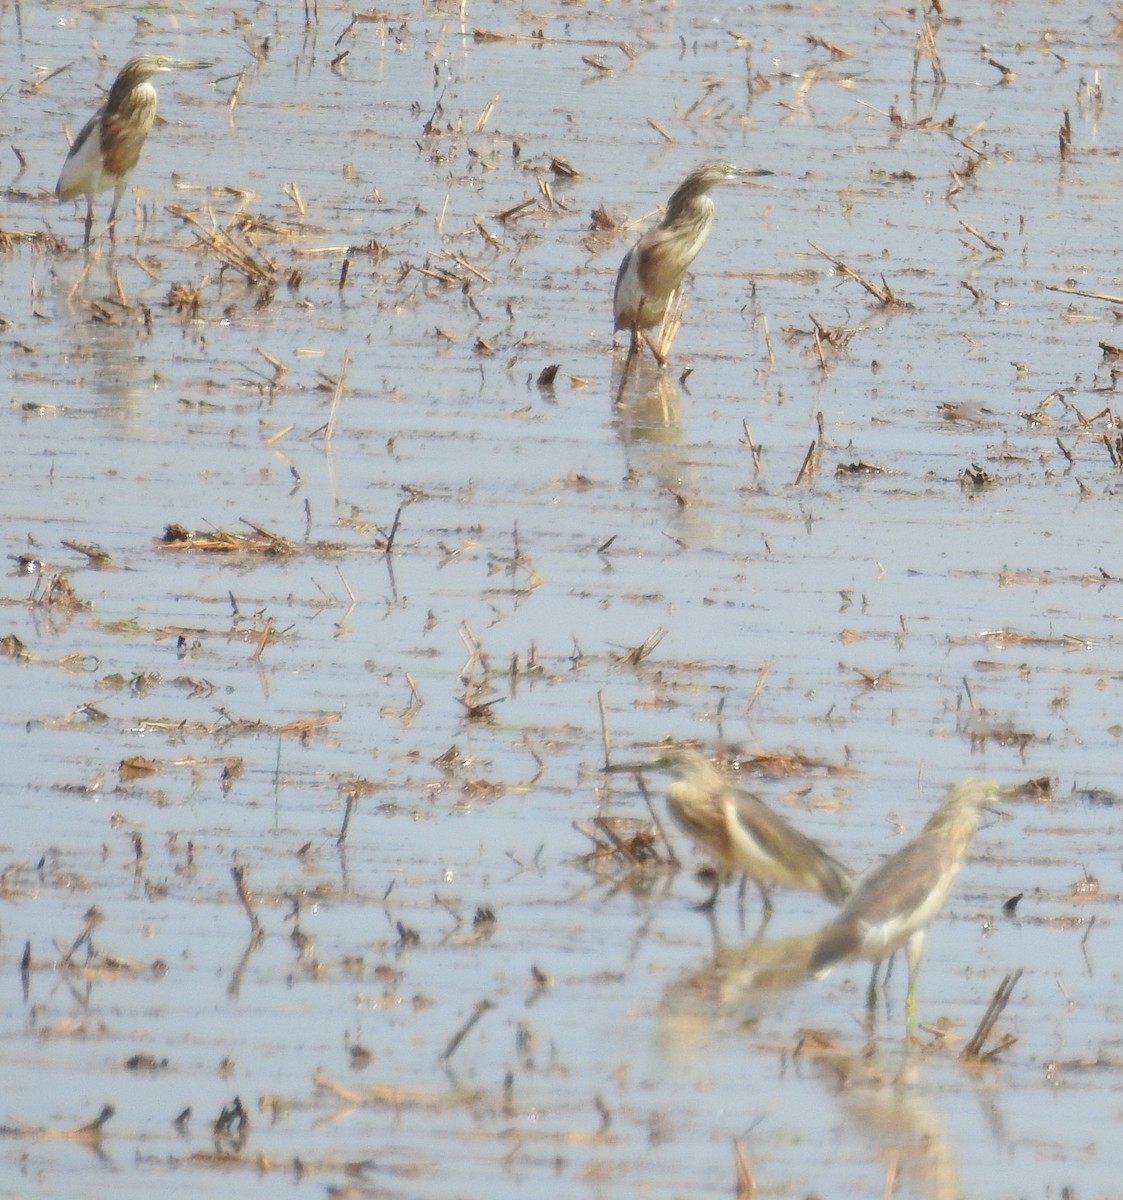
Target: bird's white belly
[884,938]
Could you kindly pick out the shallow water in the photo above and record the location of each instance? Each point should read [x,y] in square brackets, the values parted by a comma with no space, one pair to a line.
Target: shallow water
[856,620]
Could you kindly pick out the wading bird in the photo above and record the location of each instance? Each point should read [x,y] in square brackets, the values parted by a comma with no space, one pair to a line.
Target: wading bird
[653,268]
[108,148]
[741,833]
[894,904]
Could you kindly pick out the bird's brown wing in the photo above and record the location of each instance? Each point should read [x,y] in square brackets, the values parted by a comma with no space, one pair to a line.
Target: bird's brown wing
[899,885]
[903,881]
[784,843]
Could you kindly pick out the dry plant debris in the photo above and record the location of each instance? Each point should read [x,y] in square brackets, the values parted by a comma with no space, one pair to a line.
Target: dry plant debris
[219,541]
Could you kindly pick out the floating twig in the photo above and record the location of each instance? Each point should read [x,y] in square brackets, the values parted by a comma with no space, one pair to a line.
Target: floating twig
[807,470]
[1071,291]
[482,1006]
[337,396]
[641,783]
[746,1185]
[973,1051]
[926,49]
[661,131]
[636,654]
[606,739]
[985,240]
[91,1131]
[238,874]
[754,449]
[883,295]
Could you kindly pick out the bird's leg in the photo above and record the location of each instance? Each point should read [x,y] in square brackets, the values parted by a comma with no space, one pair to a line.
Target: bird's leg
[871,992]
[118,196]
[913,948]
[765,907]
[871,1002]
[668,328]
[707,906]
[642,339]
[661,347]
[633,350]
[889,967]
[762,925]
[742,888]
[89,222]
[715,933]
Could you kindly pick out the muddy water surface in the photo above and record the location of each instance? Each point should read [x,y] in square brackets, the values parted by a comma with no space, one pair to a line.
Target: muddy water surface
[934,594]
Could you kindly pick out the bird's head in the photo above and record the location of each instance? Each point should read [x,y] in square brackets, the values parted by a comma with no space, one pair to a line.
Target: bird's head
[963,805]
[140,69]
[710,174]
[691,197]
[685,762]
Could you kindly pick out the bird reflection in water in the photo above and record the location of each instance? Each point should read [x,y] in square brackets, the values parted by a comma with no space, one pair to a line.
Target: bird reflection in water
[888,1114]
[887,1117]
[651,408]
[646,415]
[736,988]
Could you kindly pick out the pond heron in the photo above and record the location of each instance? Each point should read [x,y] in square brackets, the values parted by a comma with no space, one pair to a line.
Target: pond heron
[894,904]
[741,833]
[653,268]
[108,148]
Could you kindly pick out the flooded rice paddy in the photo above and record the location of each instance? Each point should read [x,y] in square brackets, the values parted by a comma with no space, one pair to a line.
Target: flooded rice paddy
[322,599]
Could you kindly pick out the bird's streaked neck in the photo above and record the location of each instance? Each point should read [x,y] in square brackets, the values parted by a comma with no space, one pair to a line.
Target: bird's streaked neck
[683,205]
